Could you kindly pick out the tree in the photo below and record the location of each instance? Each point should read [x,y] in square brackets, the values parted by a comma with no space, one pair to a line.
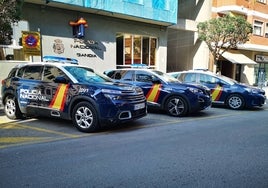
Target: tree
[10,11]
[224,33]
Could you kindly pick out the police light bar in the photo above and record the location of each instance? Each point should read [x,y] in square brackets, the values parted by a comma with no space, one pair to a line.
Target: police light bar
[140,66]
[55,59]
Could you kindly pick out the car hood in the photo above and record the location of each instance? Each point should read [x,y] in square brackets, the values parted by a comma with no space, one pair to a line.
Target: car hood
[115,86]
[245,86]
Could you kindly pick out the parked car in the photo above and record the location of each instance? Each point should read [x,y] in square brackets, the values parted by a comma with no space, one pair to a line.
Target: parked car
[224,90]
[164,92]
[71,92]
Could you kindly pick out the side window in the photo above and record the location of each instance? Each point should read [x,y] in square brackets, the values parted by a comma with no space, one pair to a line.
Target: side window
[207,79]
[126,75]
[33,72]
[50,73]
[190,77]
[20,72]
[117,75]
[142,76]
[204,79]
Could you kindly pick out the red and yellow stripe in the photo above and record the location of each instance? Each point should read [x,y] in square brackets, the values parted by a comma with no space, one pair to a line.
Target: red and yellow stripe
[154,92]
[216,93]
[59,97]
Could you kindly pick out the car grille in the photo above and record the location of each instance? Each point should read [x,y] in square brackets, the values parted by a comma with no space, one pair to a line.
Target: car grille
[133,96]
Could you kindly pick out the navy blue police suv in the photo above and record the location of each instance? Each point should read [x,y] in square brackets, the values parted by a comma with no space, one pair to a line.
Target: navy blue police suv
[165,92]
[70,92]
[225,91]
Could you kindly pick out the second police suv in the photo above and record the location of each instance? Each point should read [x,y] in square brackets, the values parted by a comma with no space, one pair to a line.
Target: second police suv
[165,92]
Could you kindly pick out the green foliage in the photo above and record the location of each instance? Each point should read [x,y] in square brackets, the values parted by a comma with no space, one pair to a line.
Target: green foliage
[223,33]
[10,11]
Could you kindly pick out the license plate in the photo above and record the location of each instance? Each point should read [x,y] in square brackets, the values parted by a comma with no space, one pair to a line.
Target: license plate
[139,106]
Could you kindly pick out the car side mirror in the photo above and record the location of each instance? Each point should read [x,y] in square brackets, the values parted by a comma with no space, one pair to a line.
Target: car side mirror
[61,80]
[156,81]
[220,83]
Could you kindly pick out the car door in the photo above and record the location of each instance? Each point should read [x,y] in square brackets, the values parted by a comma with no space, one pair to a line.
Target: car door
[28,88]
[150,84]
[216,86]
[55,89]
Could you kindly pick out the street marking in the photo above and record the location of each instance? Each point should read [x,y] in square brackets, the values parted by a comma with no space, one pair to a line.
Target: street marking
[20,139]
[9,126]
[49,131]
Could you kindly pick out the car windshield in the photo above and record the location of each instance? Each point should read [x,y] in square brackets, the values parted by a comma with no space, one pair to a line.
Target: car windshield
[86,75]
[165,77]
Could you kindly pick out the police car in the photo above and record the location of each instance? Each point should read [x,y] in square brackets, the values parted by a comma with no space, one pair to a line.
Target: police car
[225,91]
[72,92]
[165,92]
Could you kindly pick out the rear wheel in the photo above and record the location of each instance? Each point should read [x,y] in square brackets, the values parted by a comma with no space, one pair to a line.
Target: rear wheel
[235,102]
[85,117]
[176,106]
[11,108]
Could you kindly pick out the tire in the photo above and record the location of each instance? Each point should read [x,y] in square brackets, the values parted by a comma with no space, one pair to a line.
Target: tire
[11,108]
[235,102]
[176,106]
[85,118]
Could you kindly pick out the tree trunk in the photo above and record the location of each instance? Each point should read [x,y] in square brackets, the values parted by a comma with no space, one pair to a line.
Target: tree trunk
[2,54]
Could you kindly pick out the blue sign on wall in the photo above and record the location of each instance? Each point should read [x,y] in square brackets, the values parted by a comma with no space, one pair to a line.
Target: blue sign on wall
[156,10]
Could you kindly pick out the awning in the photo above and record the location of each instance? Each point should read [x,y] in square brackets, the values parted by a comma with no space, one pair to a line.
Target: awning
[238,58]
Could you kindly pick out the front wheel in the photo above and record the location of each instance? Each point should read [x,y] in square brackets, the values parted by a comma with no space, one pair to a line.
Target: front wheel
[176,106]
[11,108]
[235,102]
[85,117]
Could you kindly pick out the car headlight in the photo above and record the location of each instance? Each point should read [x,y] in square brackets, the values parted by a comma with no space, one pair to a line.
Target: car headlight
[251,90]
[112,94]
[195,90]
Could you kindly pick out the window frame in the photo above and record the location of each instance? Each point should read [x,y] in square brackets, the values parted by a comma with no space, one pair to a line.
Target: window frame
[260,25]
[262,1]
[135,52]
[266,30]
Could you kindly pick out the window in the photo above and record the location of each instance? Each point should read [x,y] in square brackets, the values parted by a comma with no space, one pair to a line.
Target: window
[262,1]
[50,73]
[266,30]
[33,72]
[134,1]
[143,77]
[136,49]
[191,77]
[257,28]
[161,4]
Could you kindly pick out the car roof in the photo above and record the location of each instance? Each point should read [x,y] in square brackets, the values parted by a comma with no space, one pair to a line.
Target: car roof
[46,63]
[195,71]
[135,69]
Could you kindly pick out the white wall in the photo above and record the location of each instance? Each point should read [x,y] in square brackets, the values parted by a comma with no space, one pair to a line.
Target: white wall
[54,24]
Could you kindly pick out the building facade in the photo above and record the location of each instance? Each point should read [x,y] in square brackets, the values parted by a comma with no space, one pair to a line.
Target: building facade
[99,34]
[248,63]
[185,51]
[256,49]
